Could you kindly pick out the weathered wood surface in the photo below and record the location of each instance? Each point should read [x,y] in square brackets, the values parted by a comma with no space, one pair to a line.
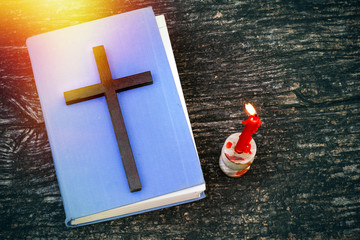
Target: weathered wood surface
[297,62]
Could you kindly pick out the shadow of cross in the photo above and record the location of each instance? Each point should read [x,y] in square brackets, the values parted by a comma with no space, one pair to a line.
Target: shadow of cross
[109,88]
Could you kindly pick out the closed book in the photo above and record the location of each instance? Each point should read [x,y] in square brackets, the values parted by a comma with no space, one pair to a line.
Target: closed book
[86,151]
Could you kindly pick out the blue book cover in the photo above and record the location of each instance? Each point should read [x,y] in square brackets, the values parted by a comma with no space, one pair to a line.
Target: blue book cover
[84,147]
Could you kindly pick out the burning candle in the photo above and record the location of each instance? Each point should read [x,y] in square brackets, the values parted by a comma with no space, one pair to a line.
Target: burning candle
[239,149]
[251,125]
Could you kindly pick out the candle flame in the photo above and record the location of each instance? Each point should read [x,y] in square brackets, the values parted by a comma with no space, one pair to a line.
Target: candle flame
[250,109]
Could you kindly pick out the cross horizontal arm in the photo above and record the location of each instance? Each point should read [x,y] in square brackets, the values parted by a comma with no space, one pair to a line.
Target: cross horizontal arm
[84,93]
[133,81]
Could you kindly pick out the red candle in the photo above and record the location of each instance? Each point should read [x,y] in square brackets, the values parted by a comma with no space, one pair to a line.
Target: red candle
[251,125]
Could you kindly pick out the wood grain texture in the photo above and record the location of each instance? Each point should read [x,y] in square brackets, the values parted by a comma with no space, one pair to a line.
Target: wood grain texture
[296,61]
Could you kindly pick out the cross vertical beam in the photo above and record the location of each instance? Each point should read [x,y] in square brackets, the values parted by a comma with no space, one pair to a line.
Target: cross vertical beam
[109,88]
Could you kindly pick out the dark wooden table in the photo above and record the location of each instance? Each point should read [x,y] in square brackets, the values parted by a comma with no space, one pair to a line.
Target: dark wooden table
[296,61]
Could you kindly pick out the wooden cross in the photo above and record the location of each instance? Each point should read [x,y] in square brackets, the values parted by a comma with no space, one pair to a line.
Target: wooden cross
[109,88]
